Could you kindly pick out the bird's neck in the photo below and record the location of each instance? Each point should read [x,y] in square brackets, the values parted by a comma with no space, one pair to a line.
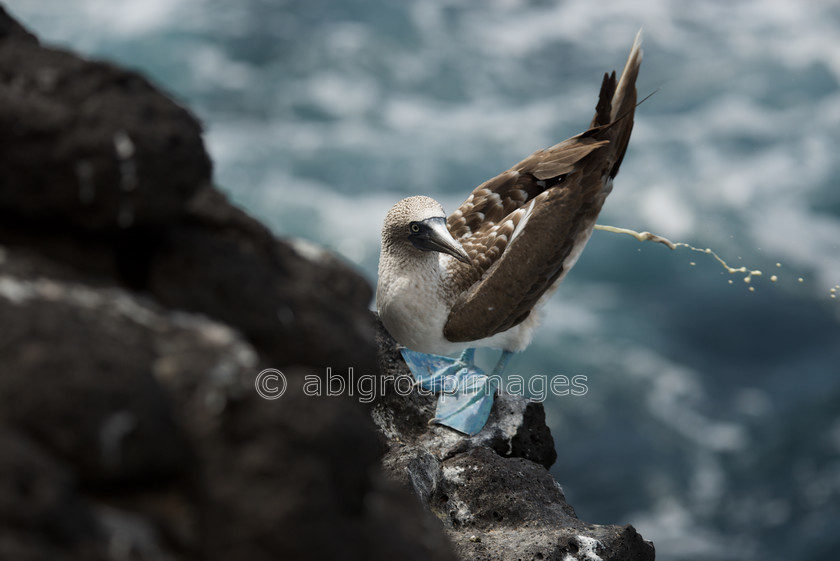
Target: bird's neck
[400,262]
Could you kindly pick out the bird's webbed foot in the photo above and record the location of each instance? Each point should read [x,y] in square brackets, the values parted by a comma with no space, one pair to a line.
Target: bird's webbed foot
[466,393]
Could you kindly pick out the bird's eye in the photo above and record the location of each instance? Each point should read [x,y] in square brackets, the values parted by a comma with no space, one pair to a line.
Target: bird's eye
[415,228]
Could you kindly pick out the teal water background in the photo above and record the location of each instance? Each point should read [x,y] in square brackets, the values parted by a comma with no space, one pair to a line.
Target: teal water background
[712,417]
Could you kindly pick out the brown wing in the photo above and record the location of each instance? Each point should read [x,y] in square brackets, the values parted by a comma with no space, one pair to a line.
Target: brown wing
[558,192]
[486,221]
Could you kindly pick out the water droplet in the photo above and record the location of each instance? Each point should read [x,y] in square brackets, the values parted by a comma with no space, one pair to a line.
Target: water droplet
[647,236]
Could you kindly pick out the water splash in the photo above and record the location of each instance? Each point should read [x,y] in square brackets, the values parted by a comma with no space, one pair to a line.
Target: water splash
[649,237]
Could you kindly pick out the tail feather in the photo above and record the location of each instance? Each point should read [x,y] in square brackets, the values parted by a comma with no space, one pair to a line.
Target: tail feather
[617,104]
[624,100]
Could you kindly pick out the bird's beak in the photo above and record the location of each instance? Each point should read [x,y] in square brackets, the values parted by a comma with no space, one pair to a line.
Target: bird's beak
[435,236]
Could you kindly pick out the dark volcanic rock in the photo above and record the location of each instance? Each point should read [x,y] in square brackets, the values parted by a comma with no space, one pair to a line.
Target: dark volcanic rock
[84,372]
[491,490]
[129,425]
[125,431]
[108,176]
[499,508]
[306,486]
[140,424]
[38,492]
[89,144]
[223,263]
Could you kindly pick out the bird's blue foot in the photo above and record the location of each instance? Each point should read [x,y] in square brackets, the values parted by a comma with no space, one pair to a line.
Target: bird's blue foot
[466,393]
[431,371]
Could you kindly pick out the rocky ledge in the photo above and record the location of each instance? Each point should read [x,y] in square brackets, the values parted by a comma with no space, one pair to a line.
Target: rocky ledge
[492,491]
[137,307]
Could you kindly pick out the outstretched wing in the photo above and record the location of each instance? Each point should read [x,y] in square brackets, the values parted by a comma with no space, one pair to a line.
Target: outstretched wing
[521,227]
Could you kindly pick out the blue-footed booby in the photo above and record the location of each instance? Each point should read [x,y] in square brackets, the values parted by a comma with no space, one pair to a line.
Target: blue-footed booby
[477,277]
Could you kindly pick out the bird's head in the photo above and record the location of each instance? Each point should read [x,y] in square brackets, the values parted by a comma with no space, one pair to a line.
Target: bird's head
[419,223]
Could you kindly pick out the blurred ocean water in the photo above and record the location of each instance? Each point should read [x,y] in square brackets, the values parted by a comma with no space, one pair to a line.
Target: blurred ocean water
[712,420]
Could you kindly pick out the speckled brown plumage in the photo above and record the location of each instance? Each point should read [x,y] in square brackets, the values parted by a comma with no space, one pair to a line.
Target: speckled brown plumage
[553,197]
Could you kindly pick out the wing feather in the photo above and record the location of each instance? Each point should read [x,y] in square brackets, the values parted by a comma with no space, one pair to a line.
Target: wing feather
[505,281]
[520,227]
